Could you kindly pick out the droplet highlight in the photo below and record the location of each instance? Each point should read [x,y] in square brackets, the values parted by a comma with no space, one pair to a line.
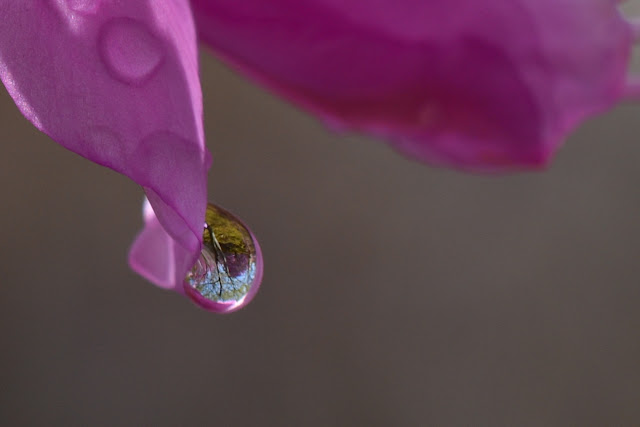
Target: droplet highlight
[84,6]
[129,50]
[228,273]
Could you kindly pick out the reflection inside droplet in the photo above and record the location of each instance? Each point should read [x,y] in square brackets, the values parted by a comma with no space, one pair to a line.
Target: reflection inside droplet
[228,271]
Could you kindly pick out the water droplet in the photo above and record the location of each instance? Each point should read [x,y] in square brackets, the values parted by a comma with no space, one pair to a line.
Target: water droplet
[131,53]
[229,270]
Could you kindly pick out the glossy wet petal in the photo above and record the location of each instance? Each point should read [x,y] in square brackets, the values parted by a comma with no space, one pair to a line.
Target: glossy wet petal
[477,84]
[116,82]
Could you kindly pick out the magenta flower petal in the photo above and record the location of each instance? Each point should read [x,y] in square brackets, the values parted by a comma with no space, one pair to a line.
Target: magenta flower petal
[117,82]
[157,257]
[476,84]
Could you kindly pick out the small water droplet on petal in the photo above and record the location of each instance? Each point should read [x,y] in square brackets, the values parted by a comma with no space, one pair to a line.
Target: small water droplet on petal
[129,50]
[229,270]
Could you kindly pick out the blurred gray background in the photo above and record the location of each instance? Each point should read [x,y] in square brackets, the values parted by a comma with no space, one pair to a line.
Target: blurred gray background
[395,294]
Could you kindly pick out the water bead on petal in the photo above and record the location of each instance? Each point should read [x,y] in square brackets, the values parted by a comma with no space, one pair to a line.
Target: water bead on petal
[129,50]
[228,273]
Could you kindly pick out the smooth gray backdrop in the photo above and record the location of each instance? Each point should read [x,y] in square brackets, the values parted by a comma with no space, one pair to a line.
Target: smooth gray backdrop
[395,294]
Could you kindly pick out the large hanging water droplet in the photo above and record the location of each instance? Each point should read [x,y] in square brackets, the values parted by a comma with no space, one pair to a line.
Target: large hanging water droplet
[229,270]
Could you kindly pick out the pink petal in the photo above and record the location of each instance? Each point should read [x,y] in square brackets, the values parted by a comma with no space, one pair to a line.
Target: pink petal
[157,257]
[476,84]
[117,82]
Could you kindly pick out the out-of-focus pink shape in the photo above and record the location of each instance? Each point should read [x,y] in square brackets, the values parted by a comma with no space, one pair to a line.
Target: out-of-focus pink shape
[484,85]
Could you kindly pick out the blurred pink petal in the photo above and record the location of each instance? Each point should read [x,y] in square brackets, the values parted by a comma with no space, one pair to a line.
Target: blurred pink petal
[475,84]
[117,82]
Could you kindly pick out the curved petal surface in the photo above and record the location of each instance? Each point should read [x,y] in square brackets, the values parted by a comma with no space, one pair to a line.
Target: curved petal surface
[116,82]
[476,84]
[157,257]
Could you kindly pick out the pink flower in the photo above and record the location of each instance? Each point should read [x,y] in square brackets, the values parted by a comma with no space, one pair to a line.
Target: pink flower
[481,85]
